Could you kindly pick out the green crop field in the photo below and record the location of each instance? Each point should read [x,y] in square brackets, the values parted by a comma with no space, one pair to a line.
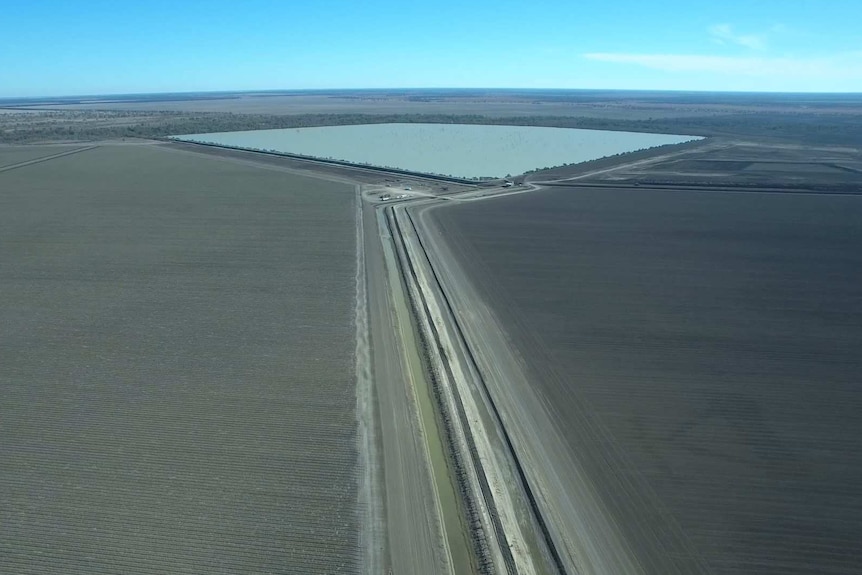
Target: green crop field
[700,352]
[177,371]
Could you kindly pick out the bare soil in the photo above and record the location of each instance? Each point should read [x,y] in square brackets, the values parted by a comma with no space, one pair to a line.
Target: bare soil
[178,371]
[699,350]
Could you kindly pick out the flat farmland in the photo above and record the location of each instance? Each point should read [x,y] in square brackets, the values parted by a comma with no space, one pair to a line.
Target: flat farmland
[723,163]
[177,374]
[699,353]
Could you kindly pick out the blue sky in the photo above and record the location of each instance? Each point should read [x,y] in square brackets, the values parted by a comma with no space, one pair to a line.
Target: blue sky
[98,47]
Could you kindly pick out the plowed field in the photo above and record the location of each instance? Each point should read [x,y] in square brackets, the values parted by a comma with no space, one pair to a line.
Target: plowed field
[700,352]
[177,377]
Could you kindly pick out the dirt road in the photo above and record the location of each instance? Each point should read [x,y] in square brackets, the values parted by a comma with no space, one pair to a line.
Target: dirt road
[581,532]
[540,518]
[414,532]
[516,467]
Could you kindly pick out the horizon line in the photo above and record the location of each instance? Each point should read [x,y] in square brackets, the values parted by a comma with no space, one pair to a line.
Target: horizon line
[429,88]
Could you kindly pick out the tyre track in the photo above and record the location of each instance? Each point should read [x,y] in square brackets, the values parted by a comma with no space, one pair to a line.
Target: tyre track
[45,159]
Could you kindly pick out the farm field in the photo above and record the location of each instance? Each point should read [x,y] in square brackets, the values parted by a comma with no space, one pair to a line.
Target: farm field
[178,370]
[698,354]
[732,164]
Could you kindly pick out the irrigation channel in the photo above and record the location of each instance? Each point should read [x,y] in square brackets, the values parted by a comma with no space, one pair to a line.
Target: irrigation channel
[490,512]
[488,515]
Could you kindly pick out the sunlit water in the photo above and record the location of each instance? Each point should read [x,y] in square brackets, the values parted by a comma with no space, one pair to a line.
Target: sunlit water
[461,150]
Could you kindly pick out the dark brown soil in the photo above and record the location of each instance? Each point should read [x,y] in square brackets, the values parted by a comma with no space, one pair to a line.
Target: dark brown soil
[713,341]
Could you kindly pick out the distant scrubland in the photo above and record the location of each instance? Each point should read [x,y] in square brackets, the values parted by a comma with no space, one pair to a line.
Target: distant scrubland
[28,126]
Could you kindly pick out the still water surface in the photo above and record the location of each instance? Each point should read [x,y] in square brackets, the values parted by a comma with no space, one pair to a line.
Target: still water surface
[461,150]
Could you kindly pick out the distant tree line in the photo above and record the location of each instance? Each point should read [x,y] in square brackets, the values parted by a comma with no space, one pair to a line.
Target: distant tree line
[30,127]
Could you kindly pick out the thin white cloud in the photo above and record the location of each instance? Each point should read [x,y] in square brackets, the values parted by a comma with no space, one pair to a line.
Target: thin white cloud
[845,66]
[724,34]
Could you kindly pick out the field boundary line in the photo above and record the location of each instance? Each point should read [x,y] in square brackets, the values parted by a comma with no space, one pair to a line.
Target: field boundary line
[480,377]
[371,532]
[703,188]
[498,526]
[476,515]
[327,162]
[46,158]
[250,162]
